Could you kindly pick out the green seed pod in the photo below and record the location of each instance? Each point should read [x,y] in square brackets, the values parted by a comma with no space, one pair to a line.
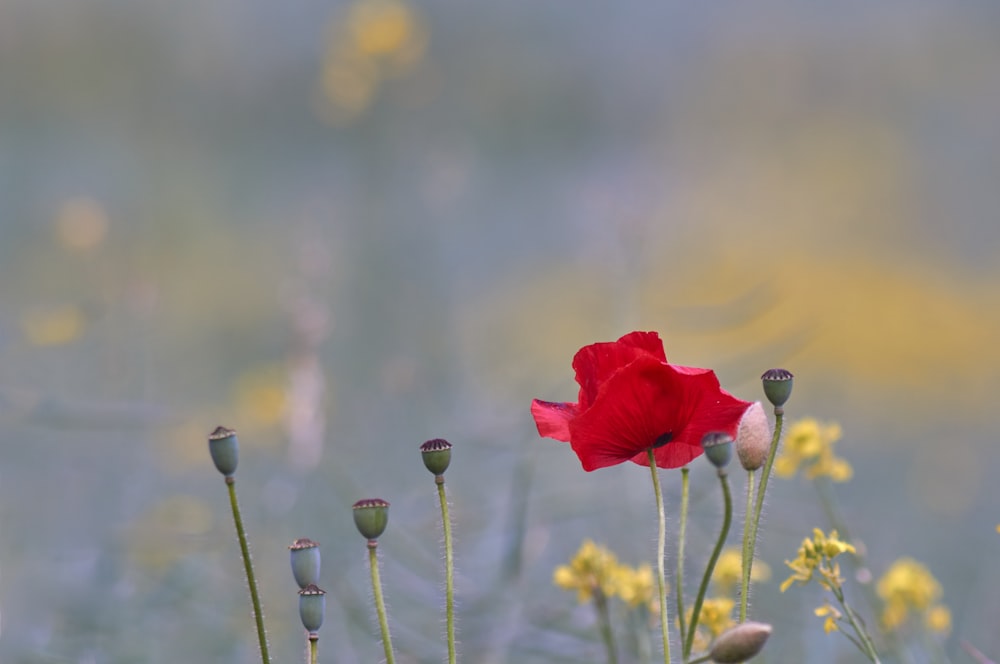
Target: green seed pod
[437,455]
[371,516]
[777,386]
[312,607]
[718,448]
[740,643]
[305,562]
[225,450]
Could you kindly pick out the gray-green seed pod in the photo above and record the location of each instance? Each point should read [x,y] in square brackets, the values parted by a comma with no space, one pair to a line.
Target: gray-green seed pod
[312,607]
[304,554]
[371,516]
[777,386]
[436,455]
[718,448]
[225,450]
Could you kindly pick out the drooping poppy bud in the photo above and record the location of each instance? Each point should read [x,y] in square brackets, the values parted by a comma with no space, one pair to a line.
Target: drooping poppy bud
[753,438]
[740,643]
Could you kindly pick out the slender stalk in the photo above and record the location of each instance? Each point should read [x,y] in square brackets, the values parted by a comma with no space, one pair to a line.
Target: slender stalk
[727,519]
[779,417]
[679,579]
[699,660]
[248,566]
[660,546]
[383,621]
[449,564]
[859,629]
[639,620]
[747,549]
[604,620]
[313,648]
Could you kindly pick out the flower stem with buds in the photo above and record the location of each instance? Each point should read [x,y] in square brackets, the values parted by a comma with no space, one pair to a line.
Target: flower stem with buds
[750,537]
[747,549]
[449,563]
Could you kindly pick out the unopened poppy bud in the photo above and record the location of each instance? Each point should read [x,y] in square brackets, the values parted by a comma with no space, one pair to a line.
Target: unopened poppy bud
[436,455]
[312,607]
[740,643]
[225,450]
[371,516]
[718,448]
[753,439]
[305,558]
[777,386]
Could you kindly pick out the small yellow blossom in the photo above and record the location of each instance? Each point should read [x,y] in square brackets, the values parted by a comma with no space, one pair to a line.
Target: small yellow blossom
[592,570]
[715,618]
[809,445]
[728,572]
[815,557]
[635,586]
[908,587]
[831,614]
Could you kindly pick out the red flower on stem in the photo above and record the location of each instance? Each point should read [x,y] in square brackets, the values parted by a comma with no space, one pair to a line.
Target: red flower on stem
[631,399]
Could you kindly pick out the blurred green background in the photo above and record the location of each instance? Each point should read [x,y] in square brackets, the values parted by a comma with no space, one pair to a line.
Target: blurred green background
[345,228]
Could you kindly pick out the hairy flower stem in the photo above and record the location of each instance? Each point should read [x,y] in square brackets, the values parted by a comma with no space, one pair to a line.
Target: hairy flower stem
[868,646]
[604,620]
[727,519]
[449,564]
[751,543]
[248,566]
[747,549]
[383,621]
[661,539]
[679,580]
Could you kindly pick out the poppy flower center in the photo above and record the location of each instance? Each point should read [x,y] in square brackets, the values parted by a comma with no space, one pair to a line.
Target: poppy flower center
[662,440]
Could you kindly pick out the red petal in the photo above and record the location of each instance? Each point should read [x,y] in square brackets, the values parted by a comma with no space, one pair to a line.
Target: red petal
[596,363]
[552,418]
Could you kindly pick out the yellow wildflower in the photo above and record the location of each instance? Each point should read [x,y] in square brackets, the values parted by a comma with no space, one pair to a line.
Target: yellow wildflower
[715,618]
[815,557]
[908,587]
[729,571]
[592,570]
[809,445]
[635,586]
[831,614]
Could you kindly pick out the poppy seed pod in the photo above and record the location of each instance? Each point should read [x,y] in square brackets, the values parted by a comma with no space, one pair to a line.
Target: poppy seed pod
[436,455]
[305,559]
[777,386]
[225,450]
[753,438]
[312,607]
[371,516]
[718,448]
[740,643]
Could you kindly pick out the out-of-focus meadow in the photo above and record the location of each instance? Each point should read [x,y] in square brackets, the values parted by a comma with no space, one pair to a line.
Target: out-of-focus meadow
[345,228]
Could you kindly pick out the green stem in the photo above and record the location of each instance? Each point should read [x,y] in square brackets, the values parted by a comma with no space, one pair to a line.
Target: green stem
[313,648]
[661,576]
[859,629]
[449,563]
[604,620]
[383,621]
[747,549]
[779,416]
[679,580]
[727,519]
[248,566]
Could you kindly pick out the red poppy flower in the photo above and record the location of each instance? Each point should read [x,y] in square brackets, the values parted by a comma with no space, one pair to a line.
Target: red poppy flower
[632,399]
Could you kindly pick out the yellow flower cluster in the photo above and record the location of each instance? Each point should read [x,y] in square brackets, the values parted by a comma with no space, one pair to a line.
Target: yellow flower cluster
[596,570]
[832,615]
[715,618]
[815,558]
[908,587]
[372,41]
[729,571]
[809,445]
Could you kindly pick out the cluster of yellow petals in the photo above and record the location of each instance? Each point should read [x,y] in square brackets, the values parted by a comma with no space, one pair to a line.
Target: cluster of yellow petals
[809,445]
[908,588]
[728,571]
[715,618]
[595,570]
[831,615]
[815,559]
